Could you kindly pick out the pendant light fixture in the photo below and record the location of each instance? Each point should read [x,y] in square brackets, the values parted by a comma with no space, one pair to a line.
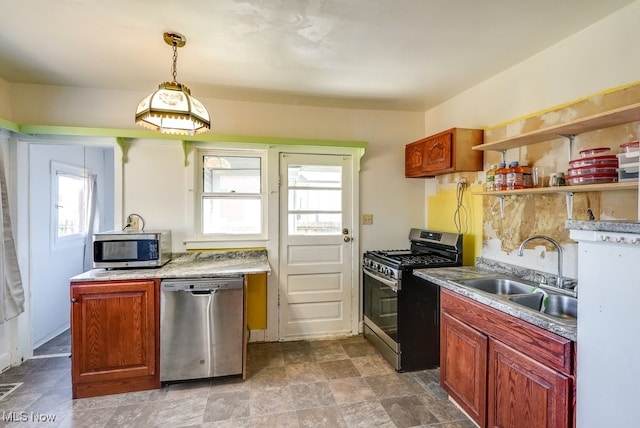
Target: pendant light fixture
[171,109]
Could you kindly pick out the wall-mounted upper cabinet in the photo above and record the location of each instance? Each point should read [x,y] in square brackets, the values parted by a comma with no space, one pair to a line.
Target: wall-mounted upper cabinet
[446,152]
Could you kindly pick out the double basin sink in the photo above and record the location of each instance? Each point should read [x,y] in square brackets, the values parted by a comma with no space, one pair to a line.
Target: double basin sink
[560,307]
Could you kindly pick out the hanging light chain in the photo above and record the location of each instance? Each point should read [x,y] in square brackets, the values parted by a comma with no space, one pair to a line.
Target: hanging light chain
[175,62]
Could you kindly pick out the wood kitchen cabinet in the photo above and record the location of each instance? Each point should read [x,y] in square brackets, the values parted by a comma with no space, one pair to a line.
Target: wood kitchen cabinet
[503,371]
[463,366]
[446,152]
[114,337]
[523,392]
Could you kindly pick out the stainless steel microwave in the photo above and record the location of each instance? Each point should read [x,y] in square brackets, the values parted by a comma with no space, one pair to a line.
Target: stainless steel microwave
[131,249]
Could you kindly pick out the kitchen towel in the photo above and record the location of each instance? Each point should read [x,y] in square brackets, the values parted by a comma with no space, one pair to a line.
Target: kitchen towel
[11,290]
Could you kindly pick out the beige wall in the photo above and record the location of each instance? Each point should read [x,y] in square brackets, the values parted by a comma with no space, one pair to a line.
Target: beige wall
[5,100]
[601,57]
[397,203]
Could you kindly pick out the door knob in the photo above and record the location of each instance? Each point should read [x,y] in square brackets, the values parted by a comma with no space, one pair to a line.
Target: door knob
[346,239]
[74,300]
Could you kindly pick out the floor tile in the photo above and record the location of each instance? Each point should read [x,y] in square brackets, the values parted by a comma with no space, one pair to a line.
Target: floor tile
[268,377]
[280,420]
[343,382]
[393,385]
[372,365]
[323,417]
[366,414]
[339,369]
[408,411]
[351,390]
[331,352]
[359,349]
[310,395]
[270,401]
[304,373]
[227,405]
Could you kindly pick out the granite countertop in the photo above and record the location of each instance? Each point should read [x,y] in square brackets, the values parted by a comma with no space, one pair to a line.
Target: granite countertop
[189,265]
[448,278]
[619,226]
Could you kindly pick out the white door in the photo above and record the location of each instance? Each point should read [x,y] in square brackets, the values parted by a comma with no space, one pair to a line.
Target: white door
[316,250]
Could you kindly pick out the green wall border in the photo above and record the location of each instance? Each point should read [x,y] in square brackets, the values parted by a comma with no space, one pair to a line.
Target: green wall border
[206,137]
[124,137]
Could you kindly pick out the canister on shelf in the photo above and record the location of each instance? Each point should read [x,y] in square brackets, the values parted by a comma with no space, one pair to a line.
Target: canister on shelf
[515,176]
[491,178]
[500,181]
[556,179]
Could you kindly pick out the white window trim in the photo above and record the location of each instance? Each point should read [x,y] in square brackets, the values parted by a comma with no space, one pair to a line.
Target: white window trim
[69,241]
[206,241]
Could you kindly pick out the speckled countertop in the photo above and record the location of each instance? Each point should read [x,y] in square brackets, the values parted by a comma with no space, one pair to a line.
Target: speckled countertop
[448,278]
[189,265]
[620,226]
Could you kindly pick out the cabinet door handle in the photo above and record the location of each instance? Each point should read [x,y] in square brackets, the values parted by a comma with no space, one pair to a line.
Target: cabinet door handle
[74,300]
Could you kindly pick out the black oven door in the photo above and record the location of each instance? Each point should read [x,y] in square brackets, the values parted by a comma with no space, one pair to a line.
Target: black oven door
[380,302]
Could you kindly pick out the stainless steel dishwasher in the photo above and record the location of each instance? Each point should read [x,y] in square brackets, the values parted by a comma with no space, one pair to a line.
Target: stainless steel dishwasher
[201,322]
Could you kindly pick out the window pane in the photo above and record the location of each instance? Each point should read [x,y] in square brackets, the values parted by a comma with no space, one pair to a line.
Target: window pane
[71,205]
[231,174]
[231,215]
[315,224]
[315,199]
[315,176]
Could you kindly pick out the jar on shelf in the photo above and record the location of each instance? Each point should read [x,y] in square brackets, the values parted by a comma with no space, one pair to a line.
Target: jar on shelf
[491,178]
[500,180]
[515,179]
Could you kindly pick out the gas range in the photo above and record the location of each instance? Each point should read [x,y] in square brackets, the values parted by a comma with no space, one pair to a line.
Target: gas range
[401,311]
[428,250]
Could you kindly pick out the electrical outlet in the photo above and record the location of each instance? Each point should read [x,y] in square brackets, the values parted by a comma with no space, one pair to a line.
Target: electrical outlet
[463,181]
[367,218]
[133,222]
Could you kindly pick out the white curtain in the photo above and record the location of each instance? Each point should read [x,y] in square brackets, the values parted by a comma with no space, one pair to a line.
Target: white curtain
[93,224]
[11,290]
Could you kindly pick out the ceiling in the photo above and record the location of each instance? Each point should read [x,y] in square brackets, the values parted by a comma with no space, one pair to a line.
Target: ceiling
[379,54]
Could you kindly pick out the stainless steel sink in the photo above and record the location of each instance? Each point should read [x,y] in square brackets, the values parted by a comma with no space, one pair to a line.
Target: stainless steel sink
[533,300]
[500,286]
[561,306]
[556,305]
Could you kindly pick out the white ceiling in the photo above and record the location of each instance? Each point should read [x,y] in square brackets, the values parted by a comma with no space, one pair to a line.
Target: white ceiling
[391,54]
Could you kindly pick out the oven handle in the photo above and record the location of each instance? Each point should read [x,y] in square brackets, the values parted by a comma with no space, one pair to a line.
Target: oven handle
[393,285]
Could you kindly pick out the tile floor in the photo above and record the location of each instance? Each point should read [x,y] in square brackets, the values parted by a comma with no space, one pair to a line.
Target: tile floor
[333,383]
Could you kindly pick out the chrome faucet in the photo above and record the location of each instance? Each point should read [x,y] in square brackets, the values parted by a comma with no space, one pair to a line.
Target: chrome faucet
[559,280]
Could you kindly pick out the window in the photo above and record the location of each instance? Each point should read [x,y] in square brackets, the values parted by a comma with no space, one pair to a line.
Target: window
[70,187]
[232,196]
[315,199]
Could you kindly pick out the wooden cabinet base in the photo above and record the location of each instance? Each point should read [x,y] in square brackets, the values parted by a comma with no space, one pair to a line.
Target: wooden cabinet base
[502,371]
[114,337]
[86,390]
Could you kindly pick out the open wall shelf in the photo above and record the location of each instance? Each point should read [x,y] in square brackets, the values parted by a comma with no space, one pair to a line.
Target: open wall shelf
[614,117]
[565,189]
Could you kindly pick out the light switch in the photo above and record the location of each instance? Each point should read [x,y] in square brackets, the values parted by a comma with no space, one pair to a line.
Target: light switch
[367,218]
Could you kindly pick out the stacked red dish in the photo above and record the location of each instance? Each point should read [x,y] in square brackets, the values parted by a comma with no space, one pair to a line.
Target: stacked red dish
[629,160]
[594,166]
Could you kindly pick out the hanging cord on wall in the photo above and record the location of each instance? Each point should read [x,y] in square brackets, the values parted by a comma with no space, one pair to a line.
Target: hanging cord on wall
[461,212]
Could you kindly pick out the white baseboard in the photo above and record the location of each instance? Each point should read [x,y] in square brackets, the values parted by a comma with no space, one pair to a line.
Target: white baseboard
[257,335]
[5,361]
